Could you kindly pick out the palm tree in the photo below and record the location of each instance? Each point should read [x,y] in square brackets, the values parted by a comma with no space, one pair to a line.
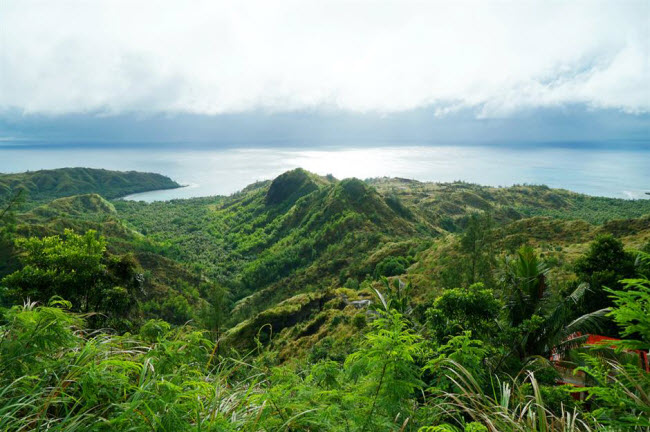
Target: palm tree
[545,321]
[525,282]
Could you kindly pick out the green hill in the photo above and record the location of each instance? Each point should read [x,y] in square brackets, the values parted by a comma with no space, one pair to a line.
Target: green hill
[302,234]
[46,185]
[294,234]
[164,283]
[311,303]
[447,204]
[76,206]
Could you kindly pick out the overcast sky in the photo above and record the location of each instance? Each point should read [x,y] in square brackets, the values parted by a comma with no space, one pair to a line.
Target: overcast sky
[215,57]
[493,59]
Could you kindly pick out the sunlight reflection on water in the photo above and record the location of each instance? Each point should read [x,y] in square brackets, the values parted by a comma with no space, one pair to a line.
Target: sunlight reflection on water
[607,172]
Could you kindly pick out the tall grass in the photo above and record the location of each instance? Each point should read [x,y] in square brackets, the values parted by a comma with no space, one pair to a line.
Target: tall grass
[54,376]
[511,407]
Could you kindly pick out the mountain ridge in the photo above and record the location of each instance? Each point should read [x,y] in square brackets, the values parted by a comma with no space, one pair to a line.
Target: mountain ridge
[302,236]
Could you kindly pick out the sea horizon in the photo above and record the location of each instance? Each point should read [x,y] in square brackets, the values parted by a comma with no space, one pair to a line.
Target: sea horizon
[592,168]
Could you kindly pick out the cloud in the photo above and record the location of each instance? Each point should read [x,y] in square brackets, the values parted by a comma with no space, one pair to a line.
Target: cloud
[214,57]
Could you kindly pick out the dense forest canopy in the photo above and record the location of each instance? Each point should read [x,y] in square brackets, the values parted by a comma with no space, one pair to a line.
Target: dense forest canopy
[312,303]
[46,185]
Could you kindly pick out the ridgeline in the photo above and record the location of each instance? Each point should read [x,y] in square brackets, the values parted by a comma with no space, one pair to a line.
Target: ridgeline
[314,298]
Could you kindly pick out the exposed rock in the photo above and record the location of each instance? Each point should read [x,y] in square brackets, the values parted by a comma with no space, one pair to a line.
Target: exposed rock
[360,304]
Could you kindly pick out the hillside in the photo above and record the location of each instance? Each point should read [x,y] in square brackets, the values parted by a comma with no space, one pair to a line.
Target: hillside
[46,185]
[167,287]
[284,249]
[302,234]
[449,203]
[301,301]
[296,233]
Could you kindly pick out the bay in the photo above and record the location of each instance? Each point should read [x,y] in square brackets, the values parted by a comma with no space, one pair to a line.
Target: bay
[616,170]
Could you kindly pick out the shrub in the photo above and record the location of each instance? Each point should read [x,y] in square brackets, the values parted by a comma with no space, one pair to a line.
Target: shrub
[359,320]
[391,266]
[154,330]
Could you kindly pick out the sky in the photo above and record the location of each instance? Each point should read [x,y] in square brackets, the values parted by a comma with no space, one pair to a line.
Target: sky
[245,70]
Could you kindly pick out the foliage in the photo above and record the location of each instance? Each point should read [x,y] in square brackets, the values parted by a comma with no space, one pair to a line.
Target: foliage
[604,265]
[621,389]
[391,266]
[46,185]
[80,382]
[509,405]
[264,268]
[620,393]
[388,358]
[464,351]
[477,241]
[458,310]
[76,267]
[631,312]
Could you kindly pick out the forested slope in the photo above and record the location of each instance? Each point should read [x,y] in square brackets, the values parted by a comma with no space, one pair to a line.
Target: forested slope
[304,234]
[312,303]
[46,185]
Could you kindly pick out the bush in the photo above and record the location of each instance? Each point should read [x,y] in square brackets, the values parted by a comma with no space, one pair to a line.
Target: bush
[154,330]
[391,266]
[458,310]
[351,283]
[359,320]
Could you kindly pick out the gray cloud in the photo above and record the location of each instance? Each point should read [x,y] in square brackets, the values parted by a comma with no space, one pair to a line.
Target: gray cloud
[214,57]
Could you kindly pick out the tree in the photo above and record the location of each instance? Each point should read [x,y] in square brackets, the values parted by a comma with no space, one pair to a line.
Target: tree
[215,313]
[604,265]
[525,284]
[391,266]
[477,243]
[387,360]
[77,268]
[551,326]
[459,310]
[538,321]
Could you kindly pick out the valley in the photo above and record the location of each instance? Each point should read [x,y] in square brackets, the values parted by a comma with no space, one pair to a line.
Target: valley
[297,270]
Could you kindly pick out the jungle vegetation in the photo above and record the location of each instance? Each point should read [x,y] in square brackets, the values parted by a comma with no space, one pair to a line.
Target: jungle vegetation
[312,304]
[46,185]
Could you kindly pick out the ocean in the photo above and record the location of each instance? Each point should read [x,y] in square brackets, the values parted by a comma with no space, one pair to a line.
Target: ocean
[613,170]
